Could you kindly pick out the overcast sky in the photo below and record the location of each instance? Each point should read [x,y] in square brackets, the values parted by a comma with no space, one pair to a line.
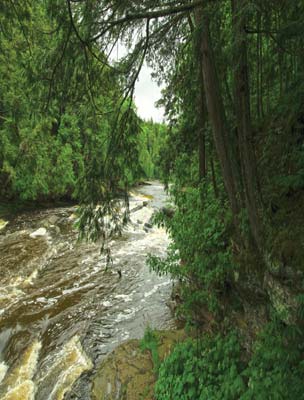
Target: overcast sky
[147,93]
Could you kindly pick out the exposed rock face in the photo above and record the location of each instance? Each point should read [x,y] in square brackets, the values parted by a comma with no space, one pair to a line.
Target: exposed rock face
[128,372]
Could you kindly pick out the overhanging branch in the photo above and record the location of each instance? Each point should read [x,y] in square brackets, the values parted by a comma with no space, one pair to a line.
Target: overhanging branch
[148,15]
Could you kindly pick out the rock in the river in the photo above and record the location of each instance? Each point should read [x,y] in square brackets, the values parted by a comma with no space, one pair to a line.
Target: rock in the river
[39,233]
[53,219]
[127,373]
[3,224]
[50,221]
[72,217]
[148,227]
[55,229]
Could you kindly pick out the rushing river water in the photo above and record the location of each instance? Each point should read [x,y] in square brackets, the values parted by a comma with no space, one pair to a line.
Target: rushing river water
[61,312]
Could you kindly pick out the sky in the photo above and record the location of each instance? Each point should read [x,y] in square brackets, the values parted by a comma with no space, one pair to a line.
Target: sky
[146,94]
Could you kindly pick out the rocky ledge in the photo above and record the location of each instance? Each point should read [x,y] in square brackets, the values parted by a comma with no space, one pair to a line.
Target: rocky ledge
[128,372]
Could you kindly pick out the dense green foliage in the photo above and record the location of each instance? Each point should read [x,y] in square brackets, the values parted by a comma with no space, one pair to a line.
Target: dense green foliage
[207,369]
[235,158]
[63,129]
[150,342]
[49,126]
[200,241]
[151,141]
[232,153]
[214,369]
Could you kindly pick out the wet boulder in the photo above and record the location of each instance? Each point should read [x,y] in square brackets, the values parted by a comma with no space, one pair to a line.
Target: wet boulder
[149,225]
[38,233]
[50,221]
[53,219]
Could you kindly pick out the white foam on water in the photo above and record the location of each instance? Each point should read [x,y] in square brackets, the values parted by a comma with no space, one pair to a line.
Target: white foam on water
[28,365]
[14,289]
[70,363]
[19,383]
[77,288]
[125,297]
[127,314]
[10,292]
[156,287]
[24,391]
[38,233]
[3,371]
[125,336]
[30,280]
[42,300]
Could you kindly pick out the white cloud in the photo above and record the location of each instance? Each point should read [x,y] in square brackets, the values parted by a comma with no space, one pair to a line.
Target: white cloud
[147,92]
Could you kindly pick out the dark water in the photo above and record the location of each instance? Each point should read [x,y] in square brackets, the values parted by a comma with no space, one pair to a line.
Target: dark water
[61,312]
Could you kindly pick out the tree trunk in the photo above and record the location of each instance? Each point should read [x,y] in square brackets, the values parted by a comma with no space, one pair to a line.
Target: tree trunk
[201,106]
[217,118]
[243,114]
[201,132]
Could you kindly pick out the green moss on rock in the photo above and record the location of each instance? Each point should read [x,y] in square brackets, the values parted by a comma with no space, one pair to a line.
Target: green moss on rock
[128,372]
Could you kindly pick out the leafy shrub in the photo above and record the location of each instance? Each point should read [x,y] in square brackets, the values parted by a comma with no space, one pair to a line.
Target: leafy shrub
[276,369]
[211,369]
[200,253]
[202,370]
[150,342]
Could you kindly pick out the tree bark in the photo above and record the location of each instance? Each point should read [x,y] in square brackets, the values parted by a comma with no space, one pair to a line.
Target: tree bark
[244,125]
[217,118]
[201,104]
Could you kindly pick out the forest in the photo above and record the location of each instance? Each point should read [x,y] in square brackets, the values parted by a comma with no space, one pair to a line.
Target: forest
[230,154]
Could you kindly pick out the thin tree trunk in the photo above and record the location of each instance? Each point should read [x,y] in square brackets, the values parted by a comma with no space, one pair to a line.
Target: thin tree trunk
[201,106]
[258,74]
[260,36]
[243,114]
[217,118]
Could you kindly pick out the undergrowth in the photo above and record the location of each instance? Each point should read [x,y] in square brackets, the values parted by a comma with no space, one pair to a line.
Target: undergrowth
[150,343]
[214,368]
[199,255]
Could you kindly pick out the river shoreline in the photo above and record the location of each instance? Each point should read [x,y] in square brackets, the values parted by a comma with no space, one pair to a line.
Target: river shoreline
[10,208]
[62,310]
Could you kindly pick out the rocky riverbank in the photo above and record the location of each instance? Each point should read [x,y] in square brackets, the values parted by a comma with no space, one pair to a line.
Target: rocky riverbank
[128,373]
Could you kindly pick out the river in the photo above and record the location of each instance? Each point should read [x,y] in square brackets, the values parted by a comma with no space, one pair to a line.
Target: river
[61,311]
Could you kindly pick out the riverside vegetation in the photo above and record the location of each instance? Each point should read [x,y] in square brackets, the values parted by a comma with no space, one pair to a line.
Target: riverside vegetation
[231,152]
